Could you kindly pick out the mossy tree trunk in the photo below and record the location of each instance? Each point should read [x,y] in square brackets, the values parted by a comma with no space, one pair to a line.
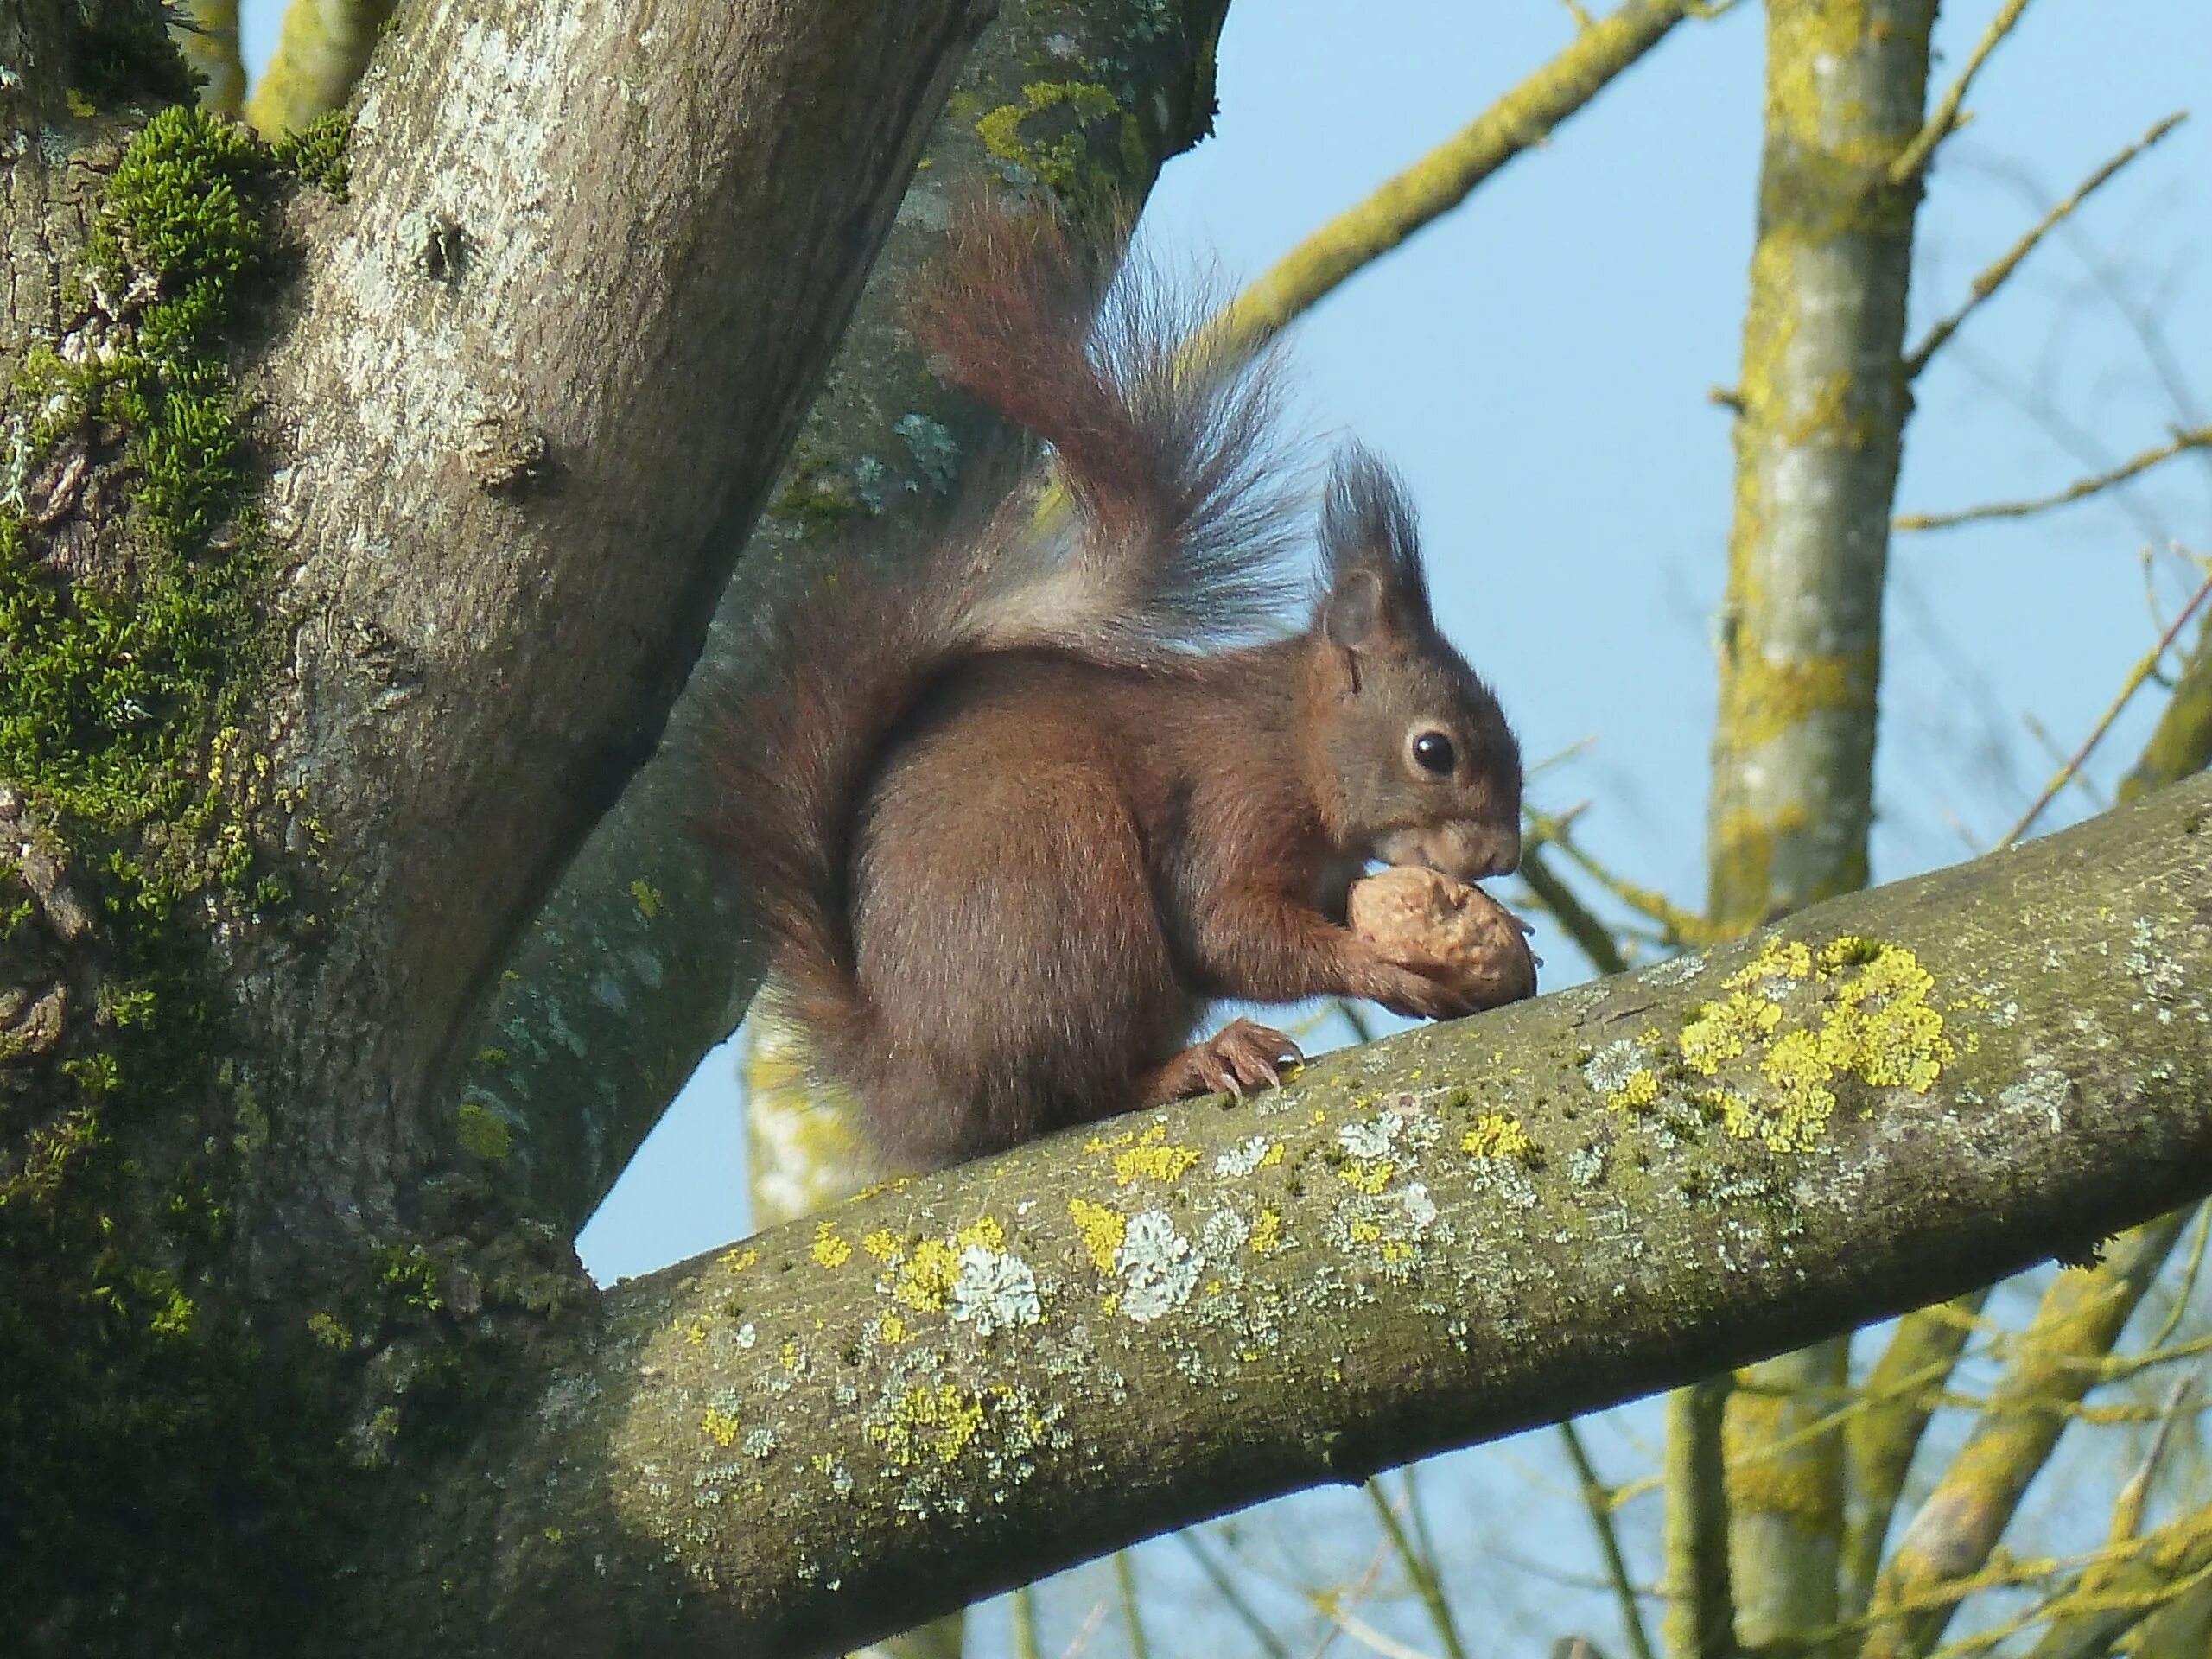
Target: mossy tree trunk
[347,569]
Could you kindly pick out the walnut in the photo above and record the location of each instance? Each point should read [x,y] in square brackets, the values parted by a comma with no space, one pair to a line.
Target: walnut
[1478,947]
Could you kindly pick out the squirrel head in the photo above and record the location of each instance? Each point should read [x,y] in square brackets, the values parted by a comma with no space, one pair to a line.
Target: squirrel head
[1420,767]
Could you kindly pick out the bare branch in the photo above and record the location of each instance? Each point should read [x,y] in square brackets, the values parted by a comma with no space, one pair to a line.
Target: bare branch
[1440,181]
[1915,158]
[1997,274]
[2081,489]
[2134,682]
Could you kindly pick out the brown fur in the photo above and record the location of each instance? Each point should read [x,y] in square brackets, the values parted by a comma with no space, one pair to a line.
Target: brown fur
[1013,818]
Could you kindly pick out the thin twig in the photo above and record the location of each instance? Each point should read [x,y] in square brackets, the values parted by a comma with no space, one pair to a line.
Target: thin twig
[1233,1598]
[1420,1570]
[1365,1634]
[1915,157]
[2183,442]
[1997,275]
[2142,672]
[1592,937]
[1523,118]
[1597,1497]
[2127,1507]
[1125,1577]
[1681,926]
[1024,1613]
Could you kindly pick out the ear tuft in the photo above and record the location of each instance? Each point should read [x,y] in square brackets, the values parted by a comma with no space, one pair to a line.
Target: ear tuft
[1369,538]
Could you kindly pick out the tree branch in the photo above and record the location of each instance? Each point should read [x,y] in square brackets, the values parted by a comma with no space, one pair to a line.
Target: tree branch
[962,1382]
[1440,181]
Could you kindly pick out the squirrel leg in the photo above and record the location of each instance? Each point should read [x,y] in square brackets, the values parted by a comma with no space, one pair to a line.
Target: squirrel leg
[1244,1054]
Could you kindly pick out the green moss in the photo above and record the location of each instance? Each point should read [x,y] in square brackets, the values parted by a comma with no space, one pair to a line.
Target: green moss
[317,152]
[170,1480]
[483,1133]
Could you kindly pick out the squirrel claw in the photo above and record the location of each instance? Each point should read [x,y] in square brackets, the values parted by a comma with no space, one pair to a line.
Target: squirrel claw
[1244,1054]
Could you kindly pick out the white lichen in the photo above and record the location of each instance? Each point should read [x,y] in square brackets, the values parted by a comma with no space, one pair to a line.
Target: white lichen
[995,1291]
[1611,1068]
[1243,1160]
[1158,1266]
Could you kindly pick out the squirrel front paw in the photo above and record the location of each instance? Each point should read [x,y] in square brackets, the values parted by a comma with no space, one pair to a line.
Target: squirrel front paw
[1409,989]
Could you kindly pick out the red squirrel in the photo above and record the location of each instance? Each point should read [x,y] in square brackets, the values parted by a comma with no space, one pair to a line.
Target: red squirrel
[1012,815]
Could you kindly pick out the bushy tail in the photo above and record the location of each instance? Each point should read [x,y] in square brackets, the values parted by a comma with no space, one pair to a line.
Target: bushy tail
[1167,529]
[1170,522]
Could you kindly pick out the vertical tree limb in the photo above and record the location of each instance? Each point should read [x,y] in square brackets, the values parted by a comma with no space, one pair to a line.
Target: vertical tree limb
[321,49]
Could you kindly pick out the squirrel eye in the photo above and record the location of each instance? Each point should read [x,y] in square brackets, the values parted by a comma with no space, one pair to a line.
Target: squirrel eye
[1432,753]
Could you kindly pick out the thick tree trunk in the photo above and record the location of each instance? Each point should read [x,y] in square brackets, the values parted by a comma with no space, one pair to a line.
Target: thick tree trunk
[966,1380]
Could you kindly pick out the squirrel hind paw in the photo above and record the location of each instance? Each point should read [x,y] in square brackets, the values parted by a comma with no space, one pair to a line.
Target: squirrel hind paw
[1244,1054]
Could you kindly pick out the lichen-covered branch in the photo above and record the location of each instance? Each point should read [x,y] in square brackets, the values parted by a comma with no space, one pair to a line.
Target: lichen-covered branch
[637,964]
[208,38]
[1700,1602]
[1524,117]
[958,1382]
[1895,1400]
[1817,443]
[321,49]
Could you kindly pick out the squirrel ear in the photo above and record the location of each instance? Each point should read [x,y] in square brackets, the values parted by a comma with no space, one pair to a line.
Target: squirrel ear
[1376,583]
[1352,612]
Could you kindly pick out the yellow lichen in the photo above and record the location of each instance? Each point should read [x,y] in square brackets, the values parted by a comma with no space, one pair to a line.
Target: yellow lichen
[925,1279]
[695,1334]
[984,1231]
[1641,1089]
[737,1258]
[831,1248]
[890,1328]
[1495,1136]
[1154,1158]
[1270,1158]
[1721,1030]
[1267,1232]
[1876,1023]
[1367,1175]
[943,1420]
[1101,1229]
[882,1245]
[720,1425]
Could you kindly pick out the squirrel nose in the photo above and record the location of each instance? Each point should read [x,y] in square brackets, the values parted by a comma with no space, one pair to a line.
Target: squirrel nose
[1497,852]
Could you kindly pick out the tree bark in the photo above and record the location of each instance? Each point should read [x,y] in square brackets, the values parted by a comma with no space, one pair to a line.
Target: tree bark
[962,1382]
